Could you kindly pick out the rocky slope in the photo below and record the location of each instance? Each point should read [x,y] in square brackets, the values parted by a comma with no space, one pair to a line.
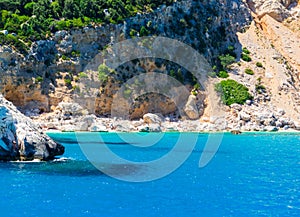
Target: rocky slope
[50,73]
[276,46]
[21,139]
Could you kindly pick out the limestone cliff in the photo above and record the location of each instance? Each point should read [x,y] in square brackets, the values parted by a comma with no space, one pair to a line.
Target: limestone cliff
[37,82]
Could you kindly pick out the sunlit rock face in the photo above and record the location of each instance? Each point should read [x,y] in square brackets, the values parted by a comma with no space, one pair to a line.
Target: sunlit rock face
[21,139]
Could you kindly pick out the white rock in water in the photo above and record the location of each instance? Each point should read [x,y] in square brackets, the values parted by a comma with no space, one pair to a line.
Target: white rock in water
[21,139]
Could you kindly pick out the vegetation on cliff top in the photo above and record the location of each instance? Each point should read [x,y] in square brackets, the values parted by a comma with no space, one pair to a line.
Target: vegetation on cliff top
[31,20]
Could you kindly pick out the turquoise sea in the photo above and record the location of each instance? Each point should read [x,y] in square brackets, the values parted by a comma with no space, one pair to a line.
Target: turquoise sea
[255,174]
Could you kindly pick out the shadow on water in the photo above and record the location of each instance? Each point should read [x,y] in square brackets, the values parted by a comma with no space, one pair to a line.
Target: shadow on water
[67,167]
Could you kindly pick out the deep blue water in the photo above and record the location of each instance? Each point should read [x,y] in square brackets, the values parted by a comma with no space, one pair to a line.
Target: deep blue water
[251,175]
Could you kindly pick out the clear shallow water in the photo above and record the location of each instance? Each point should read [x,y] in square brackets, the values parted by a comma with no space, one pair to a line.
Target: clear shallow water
[251,175]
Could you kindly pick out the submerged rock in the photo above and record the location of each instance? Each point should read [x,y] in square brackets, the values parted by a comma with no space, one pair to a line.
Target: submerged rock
[21,139]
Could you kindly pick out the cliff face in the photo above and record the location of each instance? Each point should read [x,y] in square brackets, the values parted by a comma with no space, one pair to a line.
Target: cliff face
[50,73]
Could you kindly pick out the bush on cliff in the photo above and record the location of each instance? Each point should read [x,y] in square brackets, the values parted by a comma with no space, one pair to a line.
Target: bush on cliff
[232,92]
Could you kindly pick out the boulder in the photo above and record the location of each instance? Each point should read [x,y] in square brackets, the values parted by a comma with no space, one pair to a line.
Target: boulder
[68,108]
[270,129]
[123,126]
[296,126]
[270,122]
[150,118]
[278,124]
[244,116]
[191,109]
[236,106]
[21,139]
[85,122]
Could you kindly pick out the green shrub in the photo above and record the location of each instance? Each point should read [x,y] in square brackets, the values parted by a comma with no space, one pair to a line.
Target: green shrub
[64,57]
[172,73]
[245,50]
[197,86]
[133,32]
[259,64]
[179,76]
[231,51]
[82,75]
[144,31]
[223,74]
[39,79]
[103,72]
[68,81]
[246,57]
[226,60]
[232,92]
[259,87]
[13,41]
[249,71]
[75,53]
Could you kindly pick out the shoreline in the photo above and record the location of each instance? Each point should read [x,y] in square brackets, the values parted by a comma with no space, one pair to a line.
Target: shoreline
[71,117]
[153,123]
[198,132]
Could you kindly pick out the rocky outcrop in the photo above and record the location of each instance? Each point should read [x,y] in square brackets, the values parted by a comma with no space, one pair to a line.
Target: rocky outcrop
[191,109]
[277,9]
[259,118]
[21,139]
